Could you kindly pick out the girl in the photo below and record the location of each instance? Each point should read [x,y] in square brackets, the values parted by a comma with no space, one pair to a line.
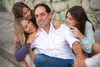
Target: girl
[82,29]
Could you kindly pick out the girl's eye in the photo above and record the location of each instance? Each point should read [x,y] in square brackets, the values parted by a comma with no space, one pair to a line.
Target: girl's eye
[27,9]
[28,22]
[25,13]
[25,27]
[70,18]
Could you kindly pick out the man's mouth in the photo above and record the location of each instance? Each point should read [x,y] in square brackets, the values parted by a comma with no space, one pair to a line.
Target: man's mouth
[41,21]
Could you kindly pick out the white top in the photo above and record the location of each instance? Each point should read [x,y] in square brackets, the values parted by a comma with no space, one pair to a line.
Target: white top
[58,43]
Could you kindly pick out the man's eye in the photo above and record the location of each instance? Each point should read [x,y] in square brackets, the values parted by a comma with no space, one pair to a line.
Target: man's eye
[36,16]
[42,14]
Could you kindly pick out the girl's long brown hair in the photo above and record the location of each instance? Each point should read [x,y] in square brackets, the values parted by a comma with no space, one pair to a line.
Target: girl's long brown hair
[78,14]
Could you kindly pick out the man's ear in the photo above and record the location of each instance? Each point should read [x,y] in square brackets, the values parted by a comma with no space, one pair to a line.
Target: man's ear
[50,15]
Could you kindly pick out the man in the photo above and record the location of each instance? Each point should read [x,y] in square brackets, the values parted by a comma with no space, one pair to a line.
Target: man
[55,43]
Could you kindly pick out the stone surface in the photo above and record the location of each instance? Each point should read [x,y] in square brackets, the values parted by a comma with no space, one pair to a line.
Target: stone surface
[5,63]
[56,16]
[30,3]
[95,4]
[97,34]
[37,2]
[63,13]
[6,37]
[59,6]
[90,17]
[86,5]
[74,3]
[98,16]
[48,1]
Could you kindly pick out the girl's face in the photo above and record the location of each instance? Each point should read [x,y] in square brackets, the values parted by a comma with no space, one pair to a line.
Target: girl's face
[70,21]
[26,13]
[28,26]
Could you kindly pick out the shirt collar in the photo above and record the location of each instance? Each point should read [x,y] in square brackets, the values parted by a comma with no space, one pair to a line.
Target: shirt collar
[51,27]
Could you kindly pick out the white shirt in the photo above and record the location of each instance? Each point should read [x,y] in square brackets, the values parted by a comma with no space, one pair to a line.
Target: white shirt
[58,43]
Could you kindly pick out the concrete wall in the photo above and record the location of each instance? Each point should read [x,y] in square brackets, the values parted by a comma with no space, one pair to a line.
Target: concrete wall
[60,7]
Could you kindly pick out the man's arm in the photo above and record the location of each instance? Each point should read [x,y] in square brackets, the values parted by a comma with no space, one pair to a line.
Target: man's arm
[79,60]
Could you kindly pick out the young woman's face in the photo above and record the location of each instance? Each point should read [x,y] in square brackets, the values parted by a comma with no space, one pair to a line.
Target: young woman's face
[70,21]
[28,26]
[26,13]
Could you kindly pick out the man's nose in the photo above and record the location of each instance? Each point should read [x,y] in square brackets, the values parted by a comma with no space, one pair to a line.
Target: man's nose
[39,17]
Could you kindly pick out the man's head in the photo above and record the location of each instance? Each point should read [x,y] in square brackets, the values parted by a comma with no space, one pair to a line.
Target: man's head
[42,15]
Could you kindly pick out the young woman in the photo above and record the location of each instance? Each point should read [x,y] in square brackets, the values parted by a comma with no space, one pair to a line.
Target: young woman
[82,29]
[22,10]
[24,40]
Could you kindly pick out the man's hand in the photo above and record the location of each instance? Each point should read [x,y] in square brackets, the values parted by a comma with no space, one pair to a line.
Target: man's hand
[79,60]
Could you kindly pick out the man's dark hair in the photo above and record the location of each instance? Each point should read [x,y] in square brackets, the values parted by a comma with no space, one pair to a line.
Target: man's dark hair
[44,5]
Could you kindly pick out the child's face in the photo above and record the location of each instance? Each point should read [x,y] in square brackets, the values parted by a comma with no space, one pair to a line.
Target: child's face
[28,26]
[70,21]
[27,13]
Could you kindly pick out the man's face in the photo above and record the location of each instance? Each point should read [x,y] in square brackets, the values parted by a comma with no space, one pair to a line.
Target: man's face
[42,17]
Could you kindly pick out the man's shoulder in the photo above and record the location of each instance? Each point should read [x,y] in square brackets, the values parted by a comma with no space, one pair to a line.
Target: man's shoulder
[63,26]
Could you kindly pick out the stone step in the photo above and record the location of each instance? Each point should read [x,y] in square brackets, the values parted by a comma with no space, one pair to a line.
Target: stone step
[6,37]
[6,41]
[7,16]
[5,63]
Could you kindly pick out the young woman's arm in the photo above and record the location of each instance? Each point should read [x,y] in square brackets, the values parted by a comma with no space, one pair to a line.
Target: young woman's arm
[17,53]
[88,39]
[21,51]
[23,63]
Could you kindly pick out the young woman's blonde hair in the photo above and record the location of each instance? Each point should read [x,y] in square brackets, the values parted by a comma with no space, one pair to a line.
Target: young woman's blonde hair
[19,31]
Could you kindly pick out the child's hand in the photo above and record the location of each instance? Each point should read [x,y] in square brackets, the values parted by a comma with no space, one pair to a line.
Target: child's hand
[31,37]
[56,24]
[77,33]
